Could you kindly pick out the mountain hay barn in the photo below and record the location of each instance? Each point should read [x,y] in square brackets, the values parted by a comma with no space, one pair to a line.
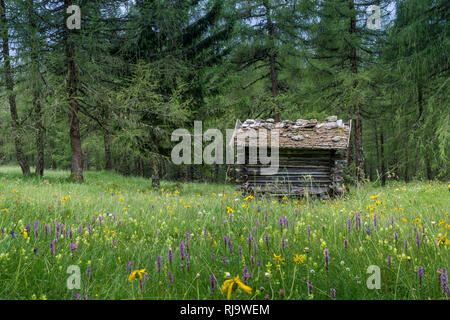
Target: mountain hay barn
[312,156]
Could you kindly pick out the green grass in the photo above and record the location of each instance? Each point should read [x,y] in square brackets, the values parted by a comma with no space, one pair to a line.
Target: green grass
[145,223]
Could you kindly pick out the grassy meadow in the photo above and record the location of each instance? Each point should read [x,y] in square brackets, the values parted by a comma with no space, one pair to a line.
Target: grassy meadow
[188,241]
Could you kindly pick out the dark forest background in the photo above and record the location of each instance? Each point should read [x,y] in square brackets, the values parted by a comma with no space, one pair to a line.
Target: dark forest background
[109,95]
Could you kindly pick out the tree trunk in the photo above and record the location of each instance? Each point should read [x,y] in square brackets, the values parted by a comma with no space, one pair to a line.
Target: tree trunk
[39,136]
[126,167]
[274,82]
[216,173]
[107,144]
[86,159]
[377,147]
[383,168]
[36,88]
[139,167]
[272,63]
[155,172]
[189,172]
[359,160]
[350,151]
[420,103]
[49,152]
[428,166]
[2,155]
[370,170]
[9,81]
[406,178]
[416,160]
[421,120]
[74,132]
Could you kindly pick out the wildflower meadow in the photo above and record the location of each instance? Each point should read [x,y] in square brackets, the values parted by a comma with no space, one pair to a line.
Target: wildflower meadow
[204,241]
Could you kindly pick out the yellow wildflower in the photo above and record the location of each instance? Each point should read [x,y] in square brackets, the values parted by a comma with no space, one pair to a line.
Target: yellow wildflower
[277,259]
[228,286]
[139,273]
[299,259]
[442,239]
[230,210]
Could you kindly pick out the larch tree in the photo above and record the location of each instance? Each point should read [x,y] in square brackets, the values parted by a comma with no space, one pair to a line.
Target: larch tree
[8,72]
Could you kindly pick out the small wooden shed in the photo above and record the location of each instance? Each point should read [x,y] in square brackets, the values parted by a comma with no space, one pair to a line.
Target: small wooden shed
[312,156]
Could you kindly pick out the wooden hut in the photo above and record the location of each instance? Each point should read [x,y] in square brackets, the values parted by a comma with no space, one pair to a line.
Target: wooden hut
[312,156]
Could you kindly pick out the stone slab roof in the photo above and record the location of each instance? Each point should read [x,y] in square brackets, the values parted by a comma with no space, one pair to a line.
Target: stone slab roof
[300,134]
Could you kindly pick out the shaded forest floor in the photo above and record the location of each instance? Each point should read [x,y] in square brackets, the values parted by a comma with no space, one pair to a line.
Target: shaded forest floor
[183,240]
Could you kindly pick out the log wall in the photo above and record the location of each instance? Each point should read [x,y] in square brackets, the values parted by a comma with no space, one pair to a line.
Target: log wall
[300,171]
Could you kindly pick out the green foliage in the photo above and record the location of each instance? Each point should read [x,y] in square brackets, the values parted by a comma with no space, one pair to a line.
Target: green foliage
[145,116]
